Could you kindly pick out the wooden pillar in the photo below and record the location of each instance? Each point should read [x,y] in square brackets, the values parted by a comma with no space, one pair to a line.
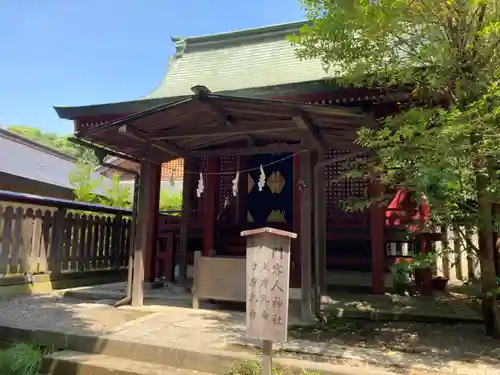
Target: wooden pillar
[210,199]
[377,218]
[187,196]
[306,189]
[152,227]
[319,233]
[144,238]
[296,261]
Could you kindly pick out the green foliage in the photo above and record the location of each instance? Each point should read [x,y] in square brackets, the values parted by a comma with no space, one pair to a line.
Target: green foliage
[85,187]
[83,183]
[21,359]
[117,195]
[170,201]
[255,368]
[445,55]
[59,143]
[443,141]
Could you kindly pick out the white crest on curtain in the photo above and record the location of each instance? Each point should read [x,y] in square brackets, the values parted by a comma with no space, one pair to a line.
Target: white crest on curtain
[262,179]
[201,186]
[235,183]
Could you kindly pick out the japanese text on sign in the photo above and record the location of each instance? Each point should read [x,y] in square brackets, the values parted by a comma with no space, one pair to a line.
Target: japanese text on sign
[268,264]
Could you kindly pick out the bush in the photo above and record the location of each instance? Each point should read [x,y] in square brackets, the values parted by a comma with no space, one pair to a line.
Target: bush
[170,201]
[21,359]
[255,368]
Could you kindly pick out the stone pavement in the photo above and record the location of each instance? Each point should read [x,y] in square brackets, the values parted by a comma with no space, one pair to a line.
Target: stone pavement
[440,308]
[171,326]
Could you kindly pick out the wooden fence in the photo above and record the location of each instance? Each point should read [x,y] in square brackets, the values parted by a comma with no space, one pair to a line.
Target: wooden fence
[455,259]
[75,237]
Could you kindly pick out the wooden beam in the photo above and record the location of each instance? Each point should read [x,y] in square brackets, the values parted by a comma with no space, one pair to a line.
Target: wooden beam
[276,148]
[141,136]
[315,137]
[306,209]
[345,118]
[220,131]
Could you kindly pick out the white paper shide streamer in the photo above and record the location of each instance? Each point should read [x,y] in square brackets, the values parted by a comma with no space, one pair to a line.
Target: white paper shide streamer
[262,179]
[171,180]
[235,183]
[201,186]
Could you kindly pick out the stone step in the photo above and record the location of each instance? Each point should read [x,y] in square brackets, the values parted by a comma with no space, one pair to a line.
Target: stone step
[76,363]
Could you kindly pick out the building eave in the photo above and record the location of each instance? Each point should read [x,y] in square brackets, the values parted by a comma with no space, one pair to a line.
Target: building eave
[135,106]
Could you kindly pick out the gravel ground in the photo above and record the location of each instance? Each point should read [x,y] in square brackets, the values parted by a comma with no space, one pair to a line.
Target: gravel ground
[407,347]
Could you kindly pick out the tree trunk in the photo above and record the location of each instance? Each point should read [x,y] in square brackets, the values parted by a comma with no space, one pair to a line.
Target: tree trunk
[487,258]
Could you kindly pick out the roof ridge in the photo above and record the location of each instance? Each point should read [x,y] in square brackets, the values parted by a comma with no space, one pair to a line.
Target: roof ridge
[13,136]
[182,42]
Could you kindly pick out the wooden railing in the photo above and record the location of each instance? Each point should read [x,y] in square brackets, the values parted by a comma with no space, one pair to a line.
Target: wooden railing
[46,235]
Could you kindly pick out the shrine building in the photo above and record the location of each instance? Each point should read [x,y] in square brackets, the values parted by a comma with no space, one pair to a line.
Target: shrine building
[264,137]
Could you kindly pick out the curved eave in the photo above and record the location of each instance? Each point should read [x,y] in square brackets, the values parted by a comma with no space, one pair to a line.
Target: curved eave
[135,106]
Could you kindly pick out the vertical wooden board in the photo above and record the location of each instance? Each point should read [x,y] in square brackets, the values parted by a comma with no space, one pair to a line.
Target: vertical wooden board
[8,216]
[89,242]
[75,249]
[27,241]
[128,239]
[107,246]
[70,231]
[46,241]
[121,243]
[65,241]
[56,242]
[17,232]
[37,241]
[115,242]
[125,241]
[62,257]
[268,277]
[94,253]
[82,243]
[102,237]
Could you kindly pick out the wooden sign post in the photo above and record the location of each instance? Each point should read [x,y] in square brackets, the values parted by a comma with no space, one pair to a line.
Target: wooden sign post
[267,288]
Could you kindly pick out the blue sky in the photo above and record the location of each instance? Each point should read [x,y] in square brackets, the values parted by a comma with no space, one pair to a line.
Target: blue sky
[77,52]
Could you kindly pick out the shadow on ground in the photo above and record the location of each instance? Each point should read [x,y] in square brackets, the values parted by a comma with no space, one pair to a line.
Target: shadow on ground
[53,321]
[404,347]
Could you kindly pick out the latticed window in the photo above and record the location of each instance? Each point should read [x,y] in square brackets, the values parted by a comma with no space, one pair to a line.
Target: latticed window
[339,189]
[173,168]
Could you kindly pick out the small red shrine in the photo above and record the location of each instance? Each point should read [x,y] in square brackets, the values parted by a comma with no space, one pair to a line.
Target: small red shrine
[241,103]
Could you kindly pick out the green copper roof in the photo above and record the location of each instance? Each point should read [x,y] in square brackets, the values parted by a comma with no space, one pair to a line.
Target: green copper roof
[255,63]
[237,60]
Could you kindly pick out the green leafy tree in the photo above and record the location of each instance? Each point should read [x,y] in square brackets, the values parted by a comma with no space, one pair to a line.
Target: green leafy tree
[117,195]
[84,184]
[59,143]
[170,201]
[443,142]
